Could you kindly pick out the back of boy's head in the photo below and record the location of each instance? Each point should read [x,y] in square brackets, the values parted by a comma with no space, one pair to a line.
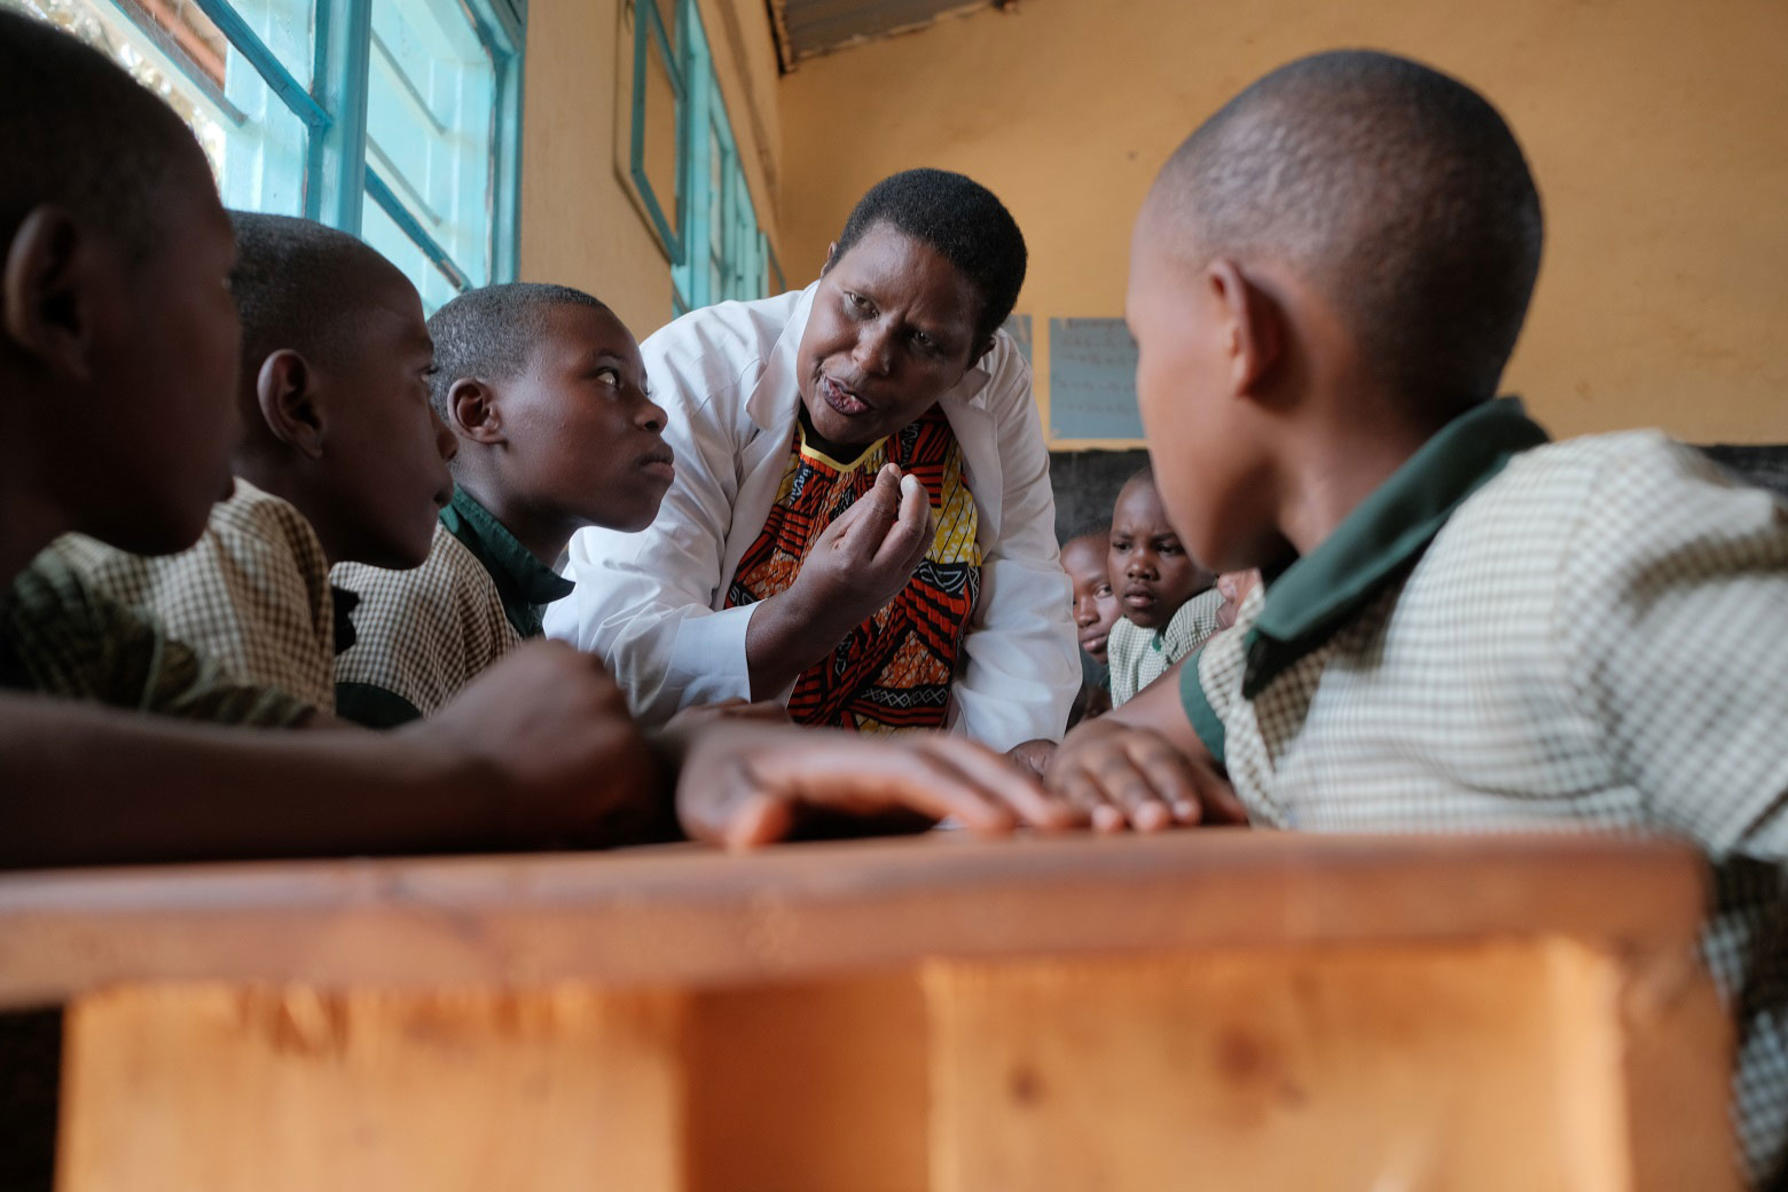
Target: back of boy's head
[109,214]
[1400,192]
[489,334]
[296,282]
[78,132]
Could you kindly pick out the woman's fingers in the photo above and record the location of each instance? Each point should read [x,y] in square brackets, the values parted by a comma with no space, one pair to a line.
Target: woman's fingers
[908,538]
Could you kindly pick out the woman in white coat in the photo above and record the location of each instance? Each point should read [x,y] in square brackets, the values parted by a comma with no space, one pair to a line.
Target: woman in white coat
[861,525]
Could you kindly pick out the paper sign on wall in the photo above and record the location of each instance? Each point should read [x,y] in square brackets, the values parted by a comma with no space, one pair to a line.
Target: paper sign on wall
[1092,380]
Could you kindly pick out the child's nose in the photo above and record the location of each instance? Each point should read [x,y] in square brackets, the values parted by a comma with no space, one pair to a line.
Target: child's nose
[446,442]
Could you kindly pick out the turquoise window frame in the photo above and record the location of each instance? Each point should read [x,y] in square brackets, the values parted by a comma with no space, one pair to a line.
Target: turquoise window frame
[716,246]
[337,178]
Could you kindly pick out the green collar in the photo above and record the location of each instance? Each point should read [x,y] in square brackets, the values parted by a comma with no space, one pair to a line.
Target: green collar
[524,584]
[1387,532]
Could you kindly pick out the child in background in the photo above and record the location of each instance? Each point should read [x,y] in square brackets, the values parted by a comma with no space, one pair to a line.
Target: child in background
[546,392]
[1169,607]
[1084,558]
[1465,628]
[340,458]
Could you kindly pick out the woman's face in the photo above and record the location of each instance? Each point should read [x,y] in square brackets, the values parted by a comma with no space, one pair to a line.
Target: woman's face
[892,330]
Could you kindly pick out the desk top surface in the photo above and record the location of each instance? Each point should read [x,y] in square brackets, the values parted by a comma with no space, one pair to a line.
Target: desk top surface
[688,916]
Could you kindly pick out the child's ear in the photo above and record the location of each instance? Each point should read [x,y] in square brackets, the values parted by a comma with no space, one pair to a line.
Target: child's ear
[51,267]
[831,258]
[286,392]
[1253,325]
[474,410]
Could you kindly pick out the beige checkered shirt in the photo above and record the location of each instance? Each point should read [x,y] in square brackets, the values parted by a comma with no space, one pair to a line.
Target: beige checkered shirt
[424,633]
[253,595]
[1139,656]
[1597,638]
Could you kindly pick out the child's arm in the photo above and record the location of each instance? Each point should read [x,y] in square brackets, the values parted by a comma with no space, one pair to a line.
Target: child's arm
[1142,764]
[539,752]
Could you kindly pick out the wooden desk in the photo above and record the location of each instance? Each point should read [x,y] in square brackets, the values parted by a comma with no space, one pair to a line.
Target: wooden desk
[1220,1009]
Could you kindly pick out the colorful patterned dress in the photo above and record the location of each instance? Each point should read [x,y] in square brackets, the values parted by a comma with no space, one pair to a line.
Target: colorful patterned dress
[893,672]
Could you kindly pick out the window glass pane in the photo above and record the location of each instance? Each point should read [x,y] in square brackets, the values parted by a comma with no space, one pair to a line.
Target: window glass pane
[381,231]
[255,144]
[431,124]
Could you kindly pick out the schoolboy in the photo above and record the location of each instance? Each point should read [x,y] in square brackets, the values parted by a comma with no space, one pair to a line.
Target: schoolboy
[1463,629]
[1167,600]
[545,389]
[341,458]
[1095,610]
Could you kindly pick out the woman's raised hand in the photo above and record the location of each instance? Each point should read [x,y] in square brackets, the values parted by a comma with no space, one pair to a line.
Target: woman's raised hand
[865,557]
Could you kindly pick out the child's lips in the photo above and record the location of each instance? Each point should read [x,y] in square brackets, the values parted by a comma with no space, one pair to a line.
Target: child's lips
[1094,643]
[1140,598]
[661,464]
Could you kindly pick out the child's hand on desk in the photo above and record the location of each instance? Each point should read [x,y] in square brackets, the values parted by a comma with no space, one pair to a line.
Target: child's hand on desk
[746,785]
[1143,766]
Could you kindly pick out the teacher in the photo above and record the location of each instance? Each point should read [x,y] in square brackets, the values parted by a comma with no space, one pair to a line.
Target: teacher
[861,525]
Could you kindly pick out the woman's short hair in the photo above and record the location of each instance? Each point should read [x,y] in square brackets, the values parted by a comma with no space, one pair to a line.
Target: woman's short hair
[959,218]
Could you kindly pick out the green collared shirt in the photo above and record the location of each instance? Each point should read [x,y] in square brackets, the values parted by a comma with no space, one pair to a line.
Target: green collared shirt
[1514,636]
[1377,542]
[524,584]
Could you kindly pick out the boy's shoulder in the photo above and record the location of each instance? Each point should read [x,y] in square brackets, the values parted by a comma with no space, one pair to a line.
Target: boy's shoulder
[425,633]
[1583,510]
[253,593]
[60,637]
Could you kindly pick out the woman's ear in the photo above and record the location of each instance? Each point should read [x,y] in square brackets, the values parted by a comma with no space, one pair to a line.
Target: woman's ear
[473,410]
[49,287]
[286,393]
[1253,325]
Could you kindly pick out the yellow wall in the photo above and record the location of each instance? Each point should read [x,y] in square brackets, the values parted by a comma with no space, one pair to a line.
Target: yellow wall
[1658,131]
[580,225]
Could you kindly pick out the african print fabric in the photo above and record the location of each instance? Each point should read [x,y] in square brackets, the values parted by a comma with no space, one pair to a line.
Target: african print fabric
[892,672]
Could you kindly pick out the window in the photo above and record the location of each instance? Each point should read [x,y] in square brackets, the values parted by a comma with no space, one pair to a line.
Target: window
[684,163]
[396,120]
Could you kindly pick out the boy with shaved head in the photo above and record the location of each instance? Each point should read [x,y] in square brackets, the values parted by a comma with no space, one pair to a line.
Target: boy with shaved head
[545,389]
[1464,628]
[340,459]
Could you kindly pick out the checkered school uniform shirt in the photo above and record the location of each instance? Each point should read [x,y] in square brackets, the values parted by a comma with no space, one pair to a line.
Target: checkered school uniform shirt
[1591,635]
[1139,656]
[59,637]
[425,633]
[253,594]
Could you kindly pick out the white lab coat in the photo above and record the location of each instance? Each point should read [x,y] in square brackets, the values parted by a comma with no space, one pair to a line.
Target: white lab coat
[652,604]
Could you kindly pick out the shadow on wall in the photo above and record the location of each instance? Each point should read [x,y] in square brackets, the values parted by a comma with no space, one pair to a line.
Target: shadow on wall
[1086,483]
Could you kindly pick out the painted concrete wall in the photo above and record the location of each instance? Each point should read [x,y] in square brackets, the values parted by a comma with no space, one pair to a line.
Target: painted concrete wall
[1658,131]
[580,224]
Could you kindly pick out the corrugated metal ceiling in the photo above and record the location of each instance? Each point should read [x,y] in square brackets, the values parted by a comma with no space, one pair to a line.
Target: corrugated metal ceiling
[809,27]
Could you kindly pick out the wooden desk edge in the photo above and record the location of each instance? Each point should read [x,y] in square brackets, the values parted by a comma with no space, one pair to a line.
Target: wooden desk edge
[681,916]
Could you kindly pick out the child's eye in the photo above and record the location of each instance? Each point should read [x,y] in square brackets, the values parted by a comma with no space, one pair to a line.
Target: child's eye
[610,377]
[1104,590]
[858,303]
